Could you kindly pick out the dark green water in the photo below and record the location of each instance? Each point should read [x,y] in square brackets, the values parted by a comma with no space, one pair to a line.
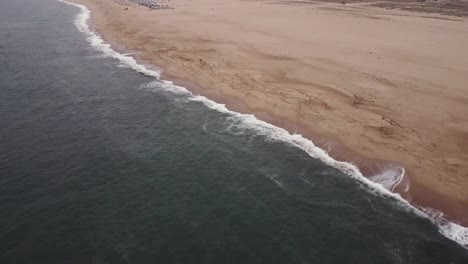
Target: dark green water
[96,167]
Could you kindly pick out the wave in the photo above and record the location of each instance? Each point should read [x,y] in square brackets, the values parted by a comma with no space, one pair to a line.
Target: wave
[381,184]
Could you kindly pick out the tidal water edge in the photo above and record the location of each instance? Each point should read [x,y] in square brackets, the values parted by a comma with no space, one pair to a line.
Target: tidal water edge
[102,164]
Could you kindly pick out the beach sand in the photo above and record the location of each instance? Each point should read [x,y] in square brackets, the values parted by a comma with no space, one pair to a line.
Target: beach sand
[377,87]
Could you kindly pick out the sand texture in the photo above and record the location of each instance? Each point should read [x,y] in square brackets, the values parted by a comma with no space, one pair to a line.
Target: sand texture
[390,85]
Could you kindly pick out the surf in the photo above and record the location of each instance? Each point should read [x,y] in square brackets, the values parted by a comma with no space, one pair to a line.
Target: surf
[382,184]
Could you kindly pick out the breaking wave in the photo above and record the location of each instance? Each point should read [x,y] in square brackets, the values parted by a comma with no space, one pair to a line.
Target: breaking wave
[380,184]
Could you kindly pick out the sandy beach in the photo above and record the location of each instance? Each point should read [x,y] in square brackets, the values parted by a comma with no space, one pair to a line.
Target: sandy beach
[377,87]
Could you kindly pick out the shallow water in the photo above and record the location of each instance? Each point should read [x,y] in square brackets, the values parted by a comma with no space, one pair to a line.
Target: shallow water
[101,164]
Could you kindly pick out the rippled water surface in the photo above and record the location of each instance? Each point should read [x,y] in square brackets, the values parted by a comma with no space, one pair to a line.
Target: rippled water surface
[101,164]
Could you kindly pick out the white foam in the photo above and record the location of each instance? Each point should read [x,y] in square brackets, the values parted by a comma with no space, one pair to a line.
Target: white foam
[161,85]
[81,22]
[390,177]
[450,230]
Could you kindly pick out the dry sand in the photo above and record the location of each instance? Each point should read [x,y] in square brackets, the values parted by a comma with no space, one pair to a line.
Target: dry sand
[389,85]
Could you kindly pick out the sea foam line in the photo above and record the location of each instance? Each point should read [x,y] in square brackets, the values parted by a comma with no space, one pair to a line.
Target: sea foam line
[449,229]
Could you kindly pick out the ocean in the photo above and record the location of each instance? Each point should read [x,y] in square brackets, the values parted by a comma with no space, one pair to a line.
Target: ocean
[103,162]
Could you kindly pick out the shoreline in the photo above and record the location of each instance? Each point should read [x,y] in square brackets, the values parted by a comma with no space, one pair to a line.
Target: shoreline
[419,195]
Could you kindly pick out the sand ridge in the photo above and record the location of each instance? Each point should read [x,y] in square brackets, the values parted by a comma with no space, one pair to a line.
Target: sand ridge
[390,85]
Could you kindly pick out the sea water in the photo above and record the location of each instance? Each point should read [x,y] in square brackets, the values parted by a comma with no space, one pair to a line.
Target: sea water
[103,162]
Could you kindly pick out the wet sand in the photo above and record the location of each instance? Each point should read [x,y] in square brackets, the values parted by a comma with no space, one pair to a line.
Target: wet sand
[389,85]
